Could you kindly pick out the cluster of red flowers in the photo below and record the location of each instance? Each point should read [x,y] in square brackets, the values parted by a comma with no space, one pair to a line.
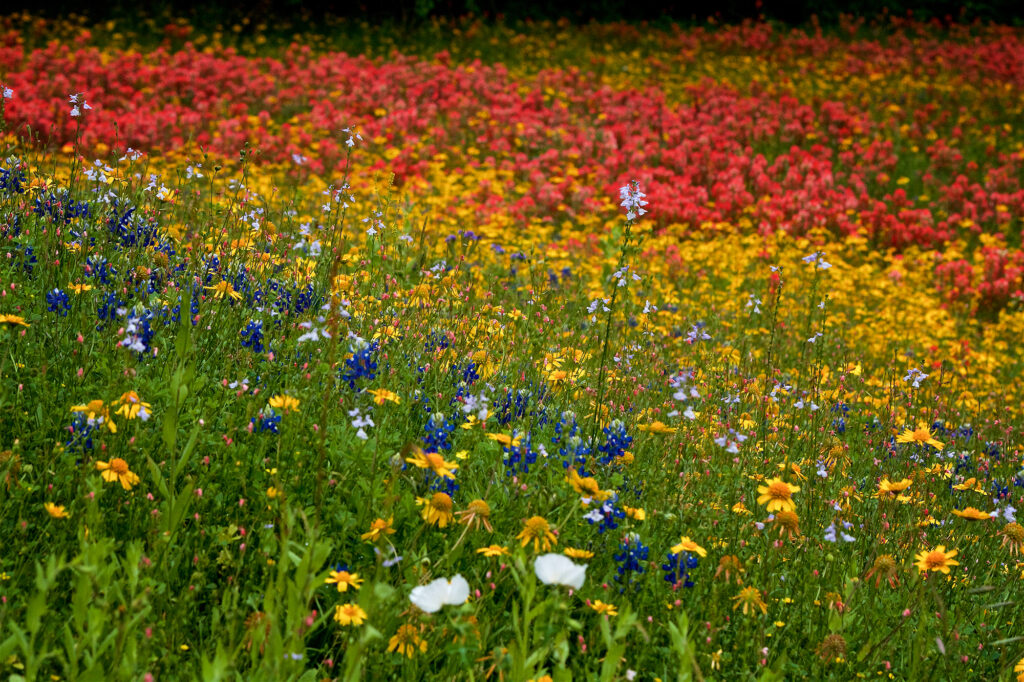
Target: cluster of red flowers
[896,140]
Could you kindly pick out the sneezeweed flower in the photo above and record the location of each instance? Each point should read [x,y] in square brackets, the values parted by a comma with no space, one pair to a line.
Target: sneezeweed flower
[750,599]
[381,396]
[777,494]
[437,510]
[433,461]
[688,545]
[832,648]
[536,529]
[56,511]
[972,514]
[349,614]
[441,592]
[379,529]
[937,559]
[476,514]
[788,523]
[555,569]
[922,434]
[588,486]
[285,403]
[1013,536]
[96,413]
[407,641]
[223,288]
[888,488]
[344,580]
[116,470]
[13,319]
[885,568]
[729,564]
[657,427]
[603,608]
[132,407]
[574,553]
[493,551]
[635,513]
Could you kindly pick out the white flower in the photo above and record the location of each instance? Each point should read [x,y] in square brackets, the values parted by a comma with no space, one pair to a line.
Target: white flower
[432,596]
[8,93]
[632,200]
[78,104]
[558,569]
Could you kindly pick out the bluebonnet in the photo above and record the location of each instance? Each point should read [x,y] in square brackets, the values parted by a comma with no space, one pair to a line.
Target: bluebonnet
[362,364]
[631,559]
[58,302]
[252,336]
[677,568]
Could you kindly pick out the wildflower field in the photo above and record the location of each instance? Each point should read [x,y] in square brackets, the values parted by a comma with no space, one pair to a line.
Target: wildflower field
[493,352]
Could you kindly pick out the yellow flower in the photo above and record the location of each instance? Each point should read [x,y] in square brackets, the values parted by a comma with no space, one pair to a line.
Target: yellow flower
[1013,535]
[437,510]
[117,470]
[507,441]
[574,553]
[223,288]
[285,403]
[478,512]
[657,427]
[433,461]
[936,560]
[55,510]
[378,529]
[750,597]
[777,494]
[95,411]
[13,319]
[587,487]
[492,551]
[406,641]
[601,607]
[273,492]
[972,514]
[636,513]
[537,530]
[887,487]
[740,508]
[381,395]
[349,614]
[919,435]
[688,545]
[966,485]
[344,579]
[80,288]
[132,407]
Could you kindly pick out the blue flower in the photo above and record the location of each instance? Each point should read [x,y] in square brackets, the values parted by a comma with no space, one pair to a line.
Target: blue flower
[58,302]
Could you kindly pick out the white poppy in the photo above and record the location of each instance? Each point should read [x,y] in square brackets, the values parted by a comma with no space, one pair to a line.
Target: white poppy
[557,569]
[432,596]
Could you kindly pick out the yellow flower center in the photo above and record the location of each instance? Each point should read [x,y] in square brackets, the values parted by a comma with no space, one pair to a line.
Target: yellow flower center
[1015,532]
[779,490]
[441,502]
[479,507]
[119,466]
[922,435]
[536,527]
[435,460]
[935,560]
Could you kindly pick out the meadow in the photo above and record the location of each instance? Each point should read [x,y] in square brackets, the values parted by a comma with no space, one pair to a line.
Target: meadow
[511,352]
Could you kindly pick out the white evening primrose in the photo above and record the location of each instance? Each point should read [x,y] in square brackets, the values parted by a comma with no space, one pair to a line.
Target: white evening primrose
[441,592]
[558,569]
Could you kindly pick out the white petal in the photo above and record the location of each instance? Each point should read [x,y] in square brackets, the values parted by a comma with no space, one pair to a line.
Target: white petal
[430,598]
[458,591]
[556,569]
